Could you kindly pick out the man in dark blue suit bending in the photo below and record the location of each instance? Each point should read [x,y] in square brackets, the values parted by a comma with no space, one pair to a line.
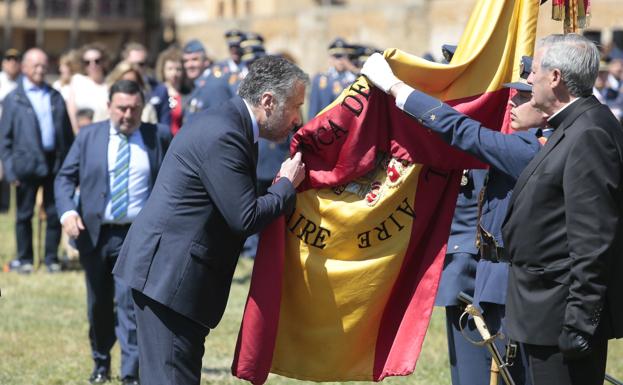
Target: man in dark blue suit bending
[114,163]
[181,251]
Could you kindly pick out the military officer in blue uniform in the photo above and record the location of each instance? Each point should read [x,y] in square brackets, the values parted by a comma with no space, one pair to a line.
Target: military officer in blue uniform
[232,64]
[507,156]
[215,90]
[359,55]
[221,83]
[198,69]
[251,49]
[197,65]
[468,362]
[326,86]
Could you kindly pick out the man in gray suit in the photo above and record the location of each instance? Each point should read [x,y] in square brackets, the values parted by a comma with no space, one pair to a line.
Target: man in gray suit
[181,251]
[114,163]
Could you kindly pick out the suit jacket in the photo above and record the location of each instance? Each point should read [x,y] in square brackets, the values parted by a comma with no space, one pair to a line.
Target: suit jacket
[86,166]
[20,142]
[564,230]
[183,247]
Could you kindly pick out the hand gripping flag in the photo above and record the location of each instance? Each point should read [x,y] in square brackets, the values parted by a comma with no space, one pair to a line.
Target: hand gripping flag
[343,288]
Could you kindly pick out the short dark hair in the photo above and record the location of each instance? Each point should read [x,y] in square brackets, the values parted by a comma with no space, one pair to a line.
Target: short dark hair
[274,74]
[125,87]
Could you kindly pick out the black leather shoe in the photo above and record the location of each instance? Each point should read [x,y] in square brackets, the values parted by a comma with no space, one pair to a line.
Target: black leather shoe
[99,378]
[129,380]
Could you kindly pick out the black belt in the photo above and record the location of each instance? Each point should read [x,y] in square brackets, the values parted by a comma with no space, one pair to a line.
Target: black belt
[493,253]
[116,226]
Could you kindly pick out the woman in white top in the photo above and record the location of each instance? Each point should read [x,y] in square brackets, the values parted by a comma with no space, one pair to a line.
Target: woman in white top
[67,67]
[89,89]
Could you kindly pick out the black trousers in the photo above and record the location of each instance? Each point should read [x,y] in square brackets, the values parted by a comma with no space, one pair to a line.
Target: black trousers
[549,367]
[26,194]
[110,307]
[5,196]
[170,346]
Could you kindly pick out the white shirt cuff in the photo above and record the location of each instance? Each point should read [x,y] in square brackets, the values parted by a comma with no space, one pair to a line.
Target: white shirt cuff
[66,214]
[402,96]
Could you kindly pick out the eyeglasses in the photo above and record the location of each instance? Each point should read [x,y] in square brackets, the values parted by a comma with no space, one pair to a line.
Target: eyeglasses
[11,57]
[141,63]
[86,62]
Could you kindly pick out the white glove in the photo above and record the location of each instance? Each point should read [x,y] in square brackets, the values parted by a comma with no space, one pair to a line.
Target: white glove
[378,71]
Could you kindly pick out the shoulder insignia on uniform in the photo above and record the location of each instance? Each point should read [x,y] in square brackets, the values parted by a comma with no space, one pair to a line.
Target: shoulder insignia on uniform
[337,87]
[542,140]
[322,82]
[233,78]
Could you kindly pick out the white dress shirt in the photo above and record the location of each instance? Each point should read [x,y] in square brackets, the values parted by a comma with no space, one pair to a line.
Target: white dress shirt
[138,183]
[256,128]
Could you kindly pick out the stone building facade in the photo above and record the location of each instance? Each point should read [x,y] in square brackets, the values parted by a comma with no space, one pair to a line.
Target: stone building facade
[304,28]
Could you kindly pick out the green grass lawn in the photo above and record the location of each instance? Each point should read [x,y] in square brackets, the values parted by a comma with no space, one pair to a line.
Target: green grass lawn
[43,332]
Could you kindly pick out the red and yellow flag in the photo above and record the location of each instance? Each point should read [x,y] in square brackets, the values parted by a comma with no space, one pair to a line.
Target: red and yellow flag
[343,288]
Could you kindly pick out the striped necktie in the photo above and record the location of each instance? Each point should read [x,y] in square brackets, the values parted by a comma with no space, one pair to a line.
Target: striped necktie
[120,195]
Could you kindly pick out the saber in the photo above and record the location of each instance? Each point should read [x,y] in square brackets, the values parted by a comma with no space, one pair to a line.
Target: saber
[612,380]
[488,341]
[498,365]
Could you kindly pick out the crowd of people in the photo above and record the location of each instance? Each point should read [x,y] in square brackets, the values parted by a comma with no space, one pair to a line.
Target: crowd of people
[95,144]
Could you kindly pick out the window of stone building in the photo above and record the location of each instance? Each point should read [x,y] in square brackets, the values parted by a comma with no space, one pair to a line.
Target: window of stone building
[331,2]
[248,5]
[220,9]
[234,8]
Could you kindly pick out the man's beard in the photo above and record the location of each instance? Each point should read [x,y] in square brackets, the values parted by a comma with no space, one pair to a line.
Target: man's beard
[274,125]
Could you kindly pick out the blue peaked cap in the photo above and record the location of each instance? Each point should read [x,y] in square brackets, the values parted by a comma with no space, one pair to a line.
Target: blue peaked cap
[193,46]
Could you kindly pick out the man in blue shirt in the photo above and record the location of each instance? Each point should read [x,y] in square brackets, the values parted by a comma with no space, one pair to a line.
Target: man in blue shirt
[35,137]
[114,163]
